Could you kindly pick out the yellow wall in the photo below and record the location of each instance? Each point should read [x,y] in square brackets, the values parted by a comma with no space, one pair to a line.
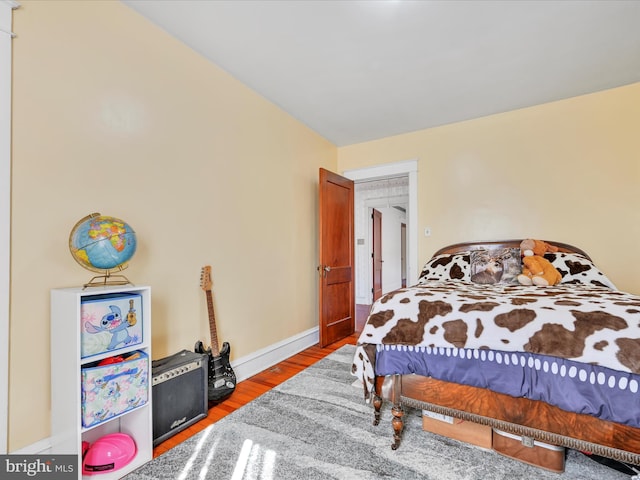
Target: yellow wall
[567,171]
[112,115]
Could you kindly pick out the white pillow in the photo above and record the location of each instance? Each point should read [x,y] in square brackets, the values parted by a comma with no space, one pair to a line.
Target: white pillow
[576,268]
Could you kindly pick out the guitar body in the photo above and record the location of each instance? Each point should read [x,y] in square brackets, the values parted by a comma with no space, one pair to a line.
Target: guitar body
[222,378]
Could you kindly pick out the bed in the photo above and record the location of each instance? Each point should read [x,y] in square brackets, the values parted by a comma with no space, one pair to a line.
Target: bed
[557,364]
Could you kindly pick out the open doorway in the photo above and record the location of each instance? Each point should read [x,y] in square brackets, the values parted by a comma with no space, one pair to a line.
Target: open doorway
[380,208]
[392,190]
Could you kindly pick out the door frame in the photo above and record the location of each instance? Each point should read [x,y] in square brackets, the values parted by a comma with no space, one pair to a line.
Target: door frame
[410,169]
[6,14]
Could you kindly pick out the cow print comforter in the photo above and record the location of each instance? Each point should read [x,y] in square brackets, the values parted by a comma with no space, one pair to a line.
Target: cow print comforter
[581,322]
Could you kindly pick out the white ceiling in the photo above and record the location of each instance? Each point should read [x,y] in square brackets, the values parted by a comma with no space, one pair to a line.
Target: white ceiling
[355,71]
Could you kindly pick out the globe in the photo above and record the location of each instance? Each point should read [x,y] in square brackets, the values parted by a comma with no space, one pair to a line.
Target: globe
[101,243]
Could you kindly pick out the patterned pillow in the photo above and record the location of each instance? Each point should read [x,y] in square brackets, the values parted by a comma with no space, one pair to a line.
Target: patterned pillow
[499,265]
[446,267]
[576,268]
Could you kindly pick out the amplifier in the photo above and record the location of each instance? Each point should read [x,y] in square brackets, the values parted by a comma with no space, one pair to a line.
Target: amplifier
[179,389]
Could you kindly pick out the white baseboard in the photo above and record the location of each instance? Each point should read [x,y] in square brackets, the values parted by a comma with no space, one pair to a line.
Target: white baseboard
[244,367]
[256,362]
[41,447]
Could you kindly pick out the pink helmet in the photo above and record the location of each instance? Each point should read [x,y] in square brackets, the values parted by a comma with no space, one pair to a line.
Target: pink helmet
[108,453]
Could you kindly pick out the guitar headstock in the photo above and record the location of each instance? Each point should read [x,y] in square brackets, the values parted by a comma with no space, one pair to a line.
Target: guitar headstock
[205,278]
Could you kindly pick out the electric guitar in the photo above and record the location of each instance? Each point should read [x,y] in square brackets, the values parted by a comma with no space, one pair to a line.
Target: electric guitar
[222,379]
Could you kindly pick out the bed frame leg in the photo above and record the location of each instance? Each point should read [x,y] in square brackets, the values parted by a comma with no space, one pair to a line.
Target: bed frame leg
[398,424]
[377,405]
[395,395]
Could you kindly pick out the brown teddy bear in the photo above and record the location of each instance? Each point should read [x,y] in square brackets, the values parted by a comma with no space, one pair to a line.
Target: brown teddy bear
[529,247]
[537,270]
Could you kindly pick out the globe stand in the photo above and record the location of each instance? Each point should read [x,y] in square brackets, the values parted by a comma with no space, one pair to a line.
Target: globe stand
[106,280]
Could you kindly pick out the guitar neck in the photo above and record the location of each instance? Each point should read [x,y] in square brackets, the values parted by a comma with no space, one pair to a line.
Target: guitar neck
[215,349]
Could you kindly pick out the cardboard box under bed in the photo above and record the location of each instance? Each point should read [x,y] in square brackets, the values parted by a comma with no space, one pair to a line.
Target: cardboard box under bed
[465,431]
[527,450]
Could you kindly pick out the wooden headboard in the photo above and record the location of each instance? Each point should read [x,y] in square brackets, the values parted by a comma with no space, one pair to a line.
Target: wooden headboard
[468,246]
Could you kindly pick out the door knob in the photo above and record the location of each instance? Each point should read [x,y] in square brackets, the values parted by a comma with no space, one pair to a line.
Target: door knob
[323,269]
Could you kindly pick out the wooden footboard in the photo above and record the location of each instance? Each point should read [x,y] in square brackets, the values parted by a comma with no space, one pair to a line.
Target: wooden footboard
[520,416]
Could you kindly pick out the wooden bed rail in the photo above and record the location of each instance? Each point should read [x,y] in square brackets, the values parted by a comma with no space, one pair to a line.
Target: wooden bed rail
[520,416]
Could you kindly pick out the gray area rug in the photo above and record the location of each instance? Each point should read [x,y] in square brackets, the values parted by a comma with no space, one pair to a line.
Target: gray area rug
[316,425]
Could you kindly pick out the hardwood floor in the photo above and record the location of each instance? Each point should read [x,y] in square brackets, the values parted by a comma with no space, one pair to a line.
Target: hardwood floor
[362,312]
[255,386]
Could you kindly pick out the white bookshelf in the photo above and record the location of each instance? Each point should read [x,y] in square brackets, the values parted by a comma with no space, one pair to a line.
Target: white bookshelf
[67,430]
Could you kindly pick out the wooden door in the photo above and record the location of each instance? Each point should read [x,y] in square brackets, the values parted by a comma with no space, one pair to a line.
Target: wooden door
[376,255]
[403,254]
[336,268]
